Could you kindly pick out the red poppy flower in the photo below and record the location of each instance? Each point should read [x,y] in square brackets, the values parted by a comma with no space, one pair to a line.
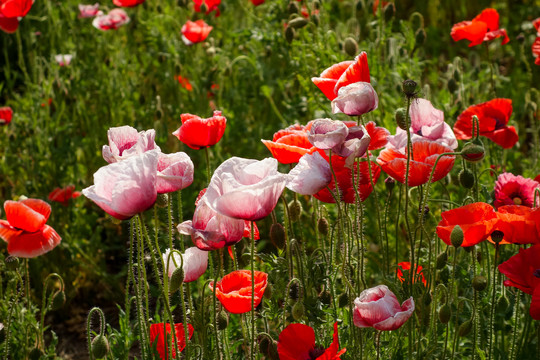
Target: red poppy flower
[63,195]
[406,266]
[15,8]
[157,334]
[424,155]
[518,225]
[234,290]
[195,32]
[297,341]
[257,2]
[482,28]
[6,114]
[290,144]
[345,180]
[477,221]
[514,190]
[493,118]
[127,3]
[8,25]
[523,272]
[211,5]
[25,231]
[342,74]
[184,82]
[536,50]
[199,133]
[305,13]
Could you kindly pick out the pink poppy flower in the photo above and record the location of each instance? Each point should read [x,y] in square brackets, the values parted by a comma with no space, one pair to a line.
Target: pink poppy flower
[194,263]
[63,59]
[427,122]
[355,99]
[246,189]
[379,308]
[355,145]
[195,32]
[24,229]
[63,195]
[514,190]
[311,175]
[88,11]
[326,134]
[6,114]
[175,172]
[125,142]
[112,21]
[127,3]
[126,188]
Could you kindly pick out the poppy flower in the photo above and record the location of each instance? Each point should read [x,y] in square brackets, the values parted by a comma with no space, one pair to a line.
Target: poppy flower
[15,8]
[514,190]
[198,133]
[424,155]
[63,195]
[158,336]
[290,144]
[257,2]
[311,175]
[127,3]
[6,114]
[493,119]
[342,74]
[406,266]
[8,25]
[126,188]
[24,229]
[63,59]
[211,5]
[517,224]
[184,82]
[111,21]
[379,308]
[427,123]
[175,172]
[344,175]
[234,290]
[522,272]
[194,263]
[126,142]
[195,32]
[305,12]
[326,134]
[246,189]
[483,27]
[297,341]
[355,99]
[88,11]
[536,50]
[477,221]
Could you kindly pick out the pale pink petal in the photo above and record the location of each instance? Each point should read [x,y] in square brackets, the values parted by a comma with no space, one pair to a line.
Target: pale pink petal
[126,141]
[326,134]
[194,263]
[311,175]
[395,322]
[355,145]
[86,11]
[355,99]
[175,172]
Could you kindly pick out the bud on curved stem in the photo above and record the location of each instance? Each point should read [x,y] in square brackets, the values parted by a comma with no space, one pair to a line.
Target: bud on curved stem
[88,329]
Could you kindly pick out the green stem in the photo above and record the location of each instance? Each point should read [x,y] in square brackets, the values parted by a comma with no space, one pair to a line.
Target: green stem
[492,312]
[253,336]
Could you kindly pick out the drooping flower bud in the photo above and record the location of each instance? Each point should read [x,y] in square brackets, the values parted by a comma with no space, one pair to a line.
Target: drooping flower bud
[322,226]
[100,346]
[420,37]
[277,235]
[473,151]
[298,22]
[350,46]
[295,210]
[465,328]
[401,118]
[445,313]
[12,262]
[466,178]
[417,20]
[297,311]
[389,11]
[177,278]
[479,283]
[222,319]
[58,300]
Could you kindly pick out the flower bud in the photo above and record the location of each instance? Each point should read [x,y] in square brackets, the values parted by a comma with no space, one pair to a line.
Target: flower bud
[401,118]
[350,46]
[442,258]
[204,8]
[177,278]
[465,328]
[322,226]
[457,75]
[452,85]
[473,151]
[12,262]
[58,300]
[295,210]
[445,313]
[289,34]
[359,5]
[295,291]
[409,88]
[502,304]
[466,178]
[389,11]
[293,7]
[264,344]
[277,235]
[343,300]
[315,19]
[420,37]
[389,183]
[427,299]
[316,4]
[325,297]
[100,346]
[268,292]
[222,320]
[456,236]
[297,311]
[298,23]
[479,283]
[162,200]
[497,236]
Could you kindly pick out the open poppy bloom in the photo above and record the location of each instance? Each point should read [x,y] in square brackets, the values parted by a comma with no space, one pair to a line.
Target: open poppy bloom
[522,272]
[63,195]
[514,190]
[379,308]
[88,11]
[63,59]
[6,114]
[483,27]
[234,290]
[211,5]
[517,224]
[297,341]
[184,82]
[126,141]
[175,172]
[127,3]
[195,32]
[424,155]
[111,21]
[477,221]
[199,133]
[406,266]
[24,229]
[343,74]
[158,336]
[493,117]
[290,144]
[11,11]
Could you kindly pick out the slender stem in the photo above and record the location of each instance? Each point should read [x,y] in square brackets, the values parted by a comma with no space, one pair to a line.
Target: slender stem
[208,176]
[378,344]
[492,311]
[253,336]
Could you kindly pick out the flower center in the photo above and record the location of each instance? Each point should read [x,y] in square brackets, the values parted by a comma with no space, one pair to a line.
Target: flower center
[536,273]
[517,201]
[316,352]
[499,124]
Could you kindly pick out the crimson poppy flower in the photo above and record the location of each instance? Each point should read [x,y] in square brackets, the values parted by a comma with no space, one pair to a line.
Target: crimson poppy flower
[522,272]
[536,50]
[483,27]
[211,5]
[406,266]
[184,82]
[514,190]
[477,221]
[424,155]
[24,229]
[63,195]
[234,290]
[127,3]
[297,341]
[493,118]
[195,32]
[342,74]
[6,114]
[157,335]
[199,133]
[290,144]
[518,225]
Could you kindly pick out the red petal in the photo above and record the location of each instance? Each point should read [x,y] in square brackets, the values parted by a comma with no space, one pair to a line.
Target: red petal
[497,33]
[472,31]
[358,71]
[29,245]
[29,215]
[8,25]
[326,86]
[15,8]
[379,136]
[534,310]
[335,71]
[506,137]
[285,153]
[295,342]
[8,232]
[333,352]
[490,17]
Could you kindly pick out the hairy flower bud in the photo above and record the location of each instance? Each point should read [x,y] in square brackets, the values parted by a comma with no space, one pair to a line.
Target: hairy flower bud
[442,258]
[222,319]
[466,178]
[177,278]
[473,151]
[12,262]
[58,300]
[479,283]
[297,311]
[322,226]
[452,85]
[465,328]
[409,88]
[456,236]
[100,346]
[289,34]
[350,46]
[295,210]
[445,313]
[298,23]
[401,118]
[277,235]
[420,37]
[343,300]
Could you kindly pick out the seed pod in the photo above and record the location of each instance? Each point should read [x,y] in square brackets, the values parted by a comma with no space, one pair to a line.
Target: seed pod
[298,23]
[343,300]
[222,320]
[268,292]
[389,183]
[497,236]
[401,118]
[289,34]
[322,225]
[457,75]
[479,283]
[442,258]
[295,210]
[466,178]
[465,328]
[351,46]
[12,262]
[297,311]
[409,88]
[100,346]
[177,278]
[277,235]
[58,300]
[162,200]
[420,37]
[445,313]
[456,236]
[473,151]
[452,85]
